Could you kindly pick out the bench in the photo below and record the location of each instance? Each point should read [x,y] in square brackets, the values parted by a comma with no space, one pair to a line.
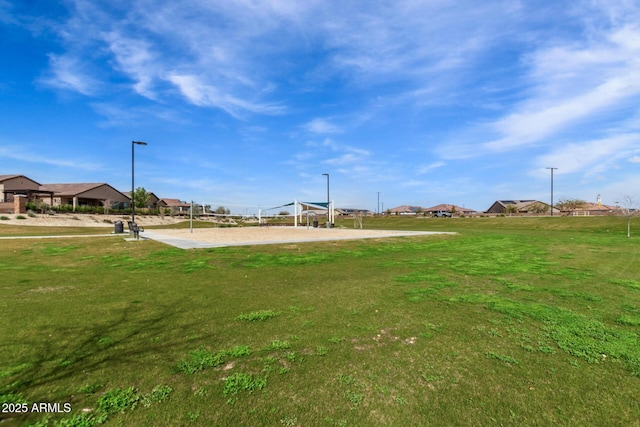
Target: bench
[135,228]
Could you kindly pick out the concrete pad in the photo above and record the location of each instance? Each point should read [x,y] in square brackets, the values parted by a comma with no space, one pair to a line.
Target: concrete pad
[200,239]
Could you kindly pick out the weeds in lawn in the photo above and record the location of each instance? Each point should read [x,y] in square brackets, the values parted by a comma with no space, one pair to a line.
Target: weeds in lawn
[197,360]
[354,397]
[7,398]
[196,264]
[157,395]
[501,357]
[239,382]
[238,351]
[118,400]
[90,388]
[345,379]
[627,283]
[628,320]
[289,421]
[279,345]
[322,350]
[258,315]
[585,338]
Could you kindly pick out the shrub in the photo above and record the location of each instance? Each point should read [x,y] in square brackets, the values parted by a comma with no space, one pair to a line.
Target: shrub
[21,217]
[4,218]
[118,400]
[157,395]
[238,382]
[279,345]
[197,360]
[258,315]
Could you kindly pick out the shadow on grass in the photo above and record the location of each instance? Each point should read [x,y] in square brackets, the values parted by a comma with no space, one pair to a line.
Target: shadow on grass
[90,348]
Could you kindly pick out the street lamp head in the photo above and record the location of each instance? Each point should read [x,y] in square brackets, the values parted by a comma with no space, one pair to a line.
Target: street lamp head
[139,142]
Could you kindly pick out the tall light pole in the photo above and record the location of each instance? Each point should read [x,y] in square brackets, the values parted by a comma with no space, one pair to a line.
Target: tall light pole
[328,202]
[552,169]
[378,212]
[133,203]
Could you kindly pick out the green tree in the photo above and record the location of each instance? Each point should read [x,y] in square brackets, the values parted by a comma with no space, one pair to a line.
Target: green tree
[221,210]
[141,197]
[511,209]
[566,204]
[197,209]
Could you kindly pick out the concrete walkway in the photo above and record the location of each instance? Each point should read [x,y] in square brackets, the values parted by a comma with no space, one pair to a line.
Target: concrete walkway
[182,243]
[177,241]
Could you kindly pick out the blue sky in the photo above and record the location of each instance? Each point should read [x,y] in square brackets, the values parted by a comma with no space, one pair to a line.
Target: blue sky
[246,103]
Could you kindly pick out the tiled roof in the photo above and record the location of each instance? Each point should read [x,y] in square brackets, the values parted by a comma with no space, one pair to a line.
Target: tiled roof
[174,202]
[70,189]
[8,177]
[406,208]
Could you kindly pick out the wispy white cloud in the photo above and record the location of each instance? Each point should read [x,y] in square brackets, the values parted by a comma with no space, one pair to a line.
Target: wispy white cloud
[422,169]
[634,159]
[5,13]
[35,156]
[526,127]
[589,157]
[66,72]
[344,159]
[321,126]
[570,83]
[204,95]
[136,59]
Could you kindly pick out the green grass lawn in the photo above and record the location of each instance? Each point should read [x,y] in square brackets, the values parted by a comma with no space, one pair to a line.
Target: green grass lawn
[513,321]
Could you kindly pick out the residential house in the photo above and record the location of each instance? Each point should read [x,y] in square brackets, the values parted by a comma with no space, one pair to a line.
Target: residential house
[177,206]
[450,208]
[13,186]
[352,211]
[406,210]
[85,194]
[530,207]
[589,209]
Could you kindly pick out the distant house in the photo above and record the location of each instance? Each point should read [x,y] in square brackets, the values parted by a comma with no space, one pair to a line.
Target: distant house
[406,210]
[589,209]
[531,207]
[450,208]
[176,205]
[351,211]
[84,194]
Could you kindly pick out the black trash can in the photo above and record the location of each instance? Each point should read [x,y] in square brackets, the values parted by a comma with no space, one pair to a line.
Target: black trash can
[315,223]
[118,227]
